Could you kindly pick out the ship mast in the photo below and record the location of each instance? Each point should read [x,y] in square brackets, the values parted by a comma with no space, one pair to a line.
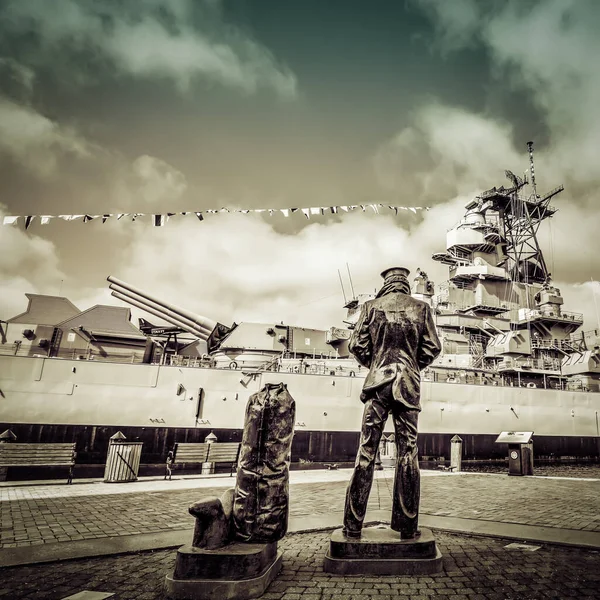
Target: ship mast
[521,217]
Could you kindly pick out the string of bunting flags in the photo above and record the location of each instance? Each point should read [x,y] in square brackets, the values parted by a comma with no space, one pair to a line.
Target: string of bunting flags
[159,220]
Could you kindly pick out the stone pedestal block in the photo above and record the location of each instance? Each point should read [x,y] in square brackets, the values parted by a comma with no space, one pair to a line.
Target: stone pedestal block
[234,572]
[381,551]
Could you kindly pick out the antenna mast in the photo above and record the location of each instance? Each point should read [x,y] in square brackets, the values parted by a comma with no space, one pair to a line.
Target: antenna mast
[351,285]
[530,148]
[342,284]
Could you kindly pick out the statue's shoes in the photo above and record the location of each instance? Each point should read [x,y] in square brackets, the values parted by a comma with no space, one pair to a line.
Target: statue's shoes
[410,536]
[351,533]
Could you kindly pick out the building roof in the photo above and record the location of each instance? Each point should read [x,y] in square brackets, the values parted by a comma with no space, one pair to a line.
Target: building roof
[46,310]
[104,320]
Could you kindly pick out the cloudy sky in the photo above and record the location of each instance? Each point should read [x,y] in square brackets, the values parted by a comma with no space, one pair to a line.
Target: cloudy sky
[159,106]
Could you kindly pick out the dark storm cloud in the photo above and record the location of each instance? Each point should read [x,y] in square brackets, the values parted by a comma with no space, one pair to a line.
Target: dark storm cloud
[179,41]
[547,49]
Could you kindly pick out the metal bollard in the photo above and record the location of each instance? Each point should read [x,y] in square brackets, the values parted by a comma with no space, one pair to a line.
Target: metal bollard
[456,453]
[6,437]
[208,468]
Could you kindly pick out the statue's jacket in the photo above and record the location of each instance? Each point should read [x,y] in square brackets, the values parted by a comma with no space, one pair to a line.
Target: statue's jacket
[395,337]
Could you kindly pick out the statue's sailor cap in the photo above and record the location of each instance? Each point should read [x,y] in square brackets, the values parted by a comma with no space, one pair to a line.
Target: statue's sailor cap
[395,272]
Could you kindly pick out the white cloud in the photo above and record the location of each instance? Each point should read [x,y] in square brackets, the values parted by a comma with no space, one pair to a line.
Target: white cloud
[446,152]
[150,39]
[43,147]
[158,179]
[35,141]
[147,183]
[235,267]
[27,264]
[548,49]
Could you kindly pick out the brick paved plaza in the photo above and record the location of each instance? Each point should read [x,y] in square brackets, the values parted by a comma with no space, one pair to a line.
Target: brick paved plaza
[58,518]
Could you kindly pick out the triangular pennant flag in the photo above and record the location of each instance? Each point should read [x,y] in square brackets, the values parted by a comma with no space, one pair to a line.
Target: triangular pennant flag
[271,211]
[45,219]
[334,209]
[160,220]
[200,217]
[428,208]
[374,207]
[344,208]
[224,209]
[293,210]
[245,211]
[87,218]
[315,210]
[306,212]
[403,207]
[106,217]
[9,220]
[74,217]
[259,210]
[363,207]
[28,221]
[286,212]
[120,216]
[413,209]
[352,206]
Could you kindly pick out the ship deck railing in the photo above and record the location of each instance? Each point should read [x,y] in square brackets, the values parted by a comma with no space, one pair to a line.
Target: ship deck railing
[510,373]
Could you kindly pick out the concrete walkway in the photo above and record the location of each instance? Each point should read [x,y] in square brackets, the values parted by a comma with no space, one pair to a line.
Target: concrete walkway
[122,536]
[49,521]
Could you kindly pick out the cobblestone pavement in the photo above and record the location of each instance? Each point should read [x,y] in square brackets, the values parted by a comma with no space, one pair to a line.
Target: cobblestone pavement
[565,503]
[475,568]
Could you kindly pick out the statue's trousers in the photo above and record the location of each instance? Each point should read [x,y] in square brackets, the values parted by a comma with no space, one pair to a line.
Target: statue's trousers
[405,508]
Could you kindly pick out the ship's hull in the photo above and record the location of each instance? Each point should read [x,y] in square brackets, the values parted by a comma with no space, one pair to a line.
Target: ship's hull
[86,401]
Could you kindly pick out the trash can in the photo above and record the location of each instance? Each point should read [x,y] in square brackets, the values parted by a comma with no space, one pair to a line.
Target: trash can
[122,460]
[520,451]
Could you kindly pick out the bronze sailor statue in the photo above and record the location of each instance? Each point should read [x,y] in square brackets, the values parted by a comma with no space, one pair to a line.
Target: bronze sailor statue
[395,338]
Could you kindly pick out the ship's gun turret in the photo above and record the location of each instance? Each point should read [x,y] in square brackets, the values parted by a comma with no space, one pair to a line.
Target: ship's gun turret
[204,328]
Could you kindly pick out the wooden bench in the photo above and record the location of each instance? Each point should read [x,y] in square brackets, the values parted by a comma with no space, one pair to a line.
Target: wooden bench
[217,452]
[225,452]
[38,455]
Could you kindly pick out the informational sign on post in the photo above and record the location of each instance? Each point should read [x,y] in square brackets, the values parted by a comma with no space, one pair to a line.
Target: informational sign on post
[514,437]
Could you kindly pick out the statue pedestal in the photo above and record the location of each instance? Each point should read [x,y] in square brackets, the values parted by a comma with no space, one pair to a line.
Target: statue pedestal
[234,572]
[380,551]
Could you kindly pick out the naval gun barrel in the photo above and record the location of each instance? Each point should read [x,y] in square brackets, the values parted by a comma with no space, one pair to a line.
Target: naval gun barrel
[199,322]
[157,313]
[202,327]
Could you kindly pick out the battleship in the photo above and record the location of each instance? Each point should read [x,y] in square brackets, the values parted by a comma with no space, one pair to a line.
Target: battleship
[512,359]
